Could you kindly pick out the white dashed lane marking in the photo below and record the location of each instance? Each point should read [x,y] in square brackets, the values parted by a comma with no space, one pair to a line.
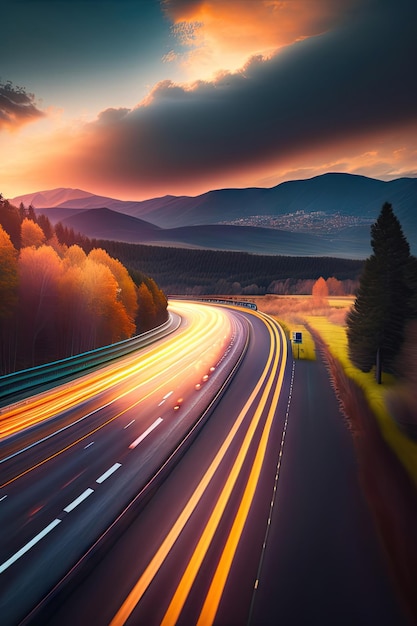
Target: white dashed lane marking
[78,500]
[146,433]
[109,472]
[29,545]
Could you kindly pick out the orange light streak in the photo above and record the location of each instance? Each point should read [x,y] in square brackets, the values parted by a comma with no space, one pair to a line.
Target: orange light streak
[213,598]
[208,323]
[172,369]
[156,562]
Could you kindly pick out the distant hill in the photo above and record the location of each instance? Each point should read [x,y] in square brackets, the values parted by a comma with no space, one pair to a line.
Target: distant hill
[106,224]
[103,223]
[208,220]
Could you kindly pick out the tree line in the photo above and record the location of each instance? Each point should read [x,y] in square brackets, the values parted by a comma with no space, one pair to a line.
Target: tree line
[194,272]
[59,299]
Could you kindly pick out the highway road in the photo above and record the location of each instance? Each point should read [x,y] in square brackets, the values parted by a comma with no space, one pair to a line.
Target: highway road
[202,540]
[95,443]
[171,558]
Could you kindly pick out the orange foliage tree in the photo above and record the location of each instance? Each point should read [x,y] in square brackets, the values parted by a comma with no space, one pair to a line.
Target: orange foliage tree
[40,270]
[126,291]
[57,301]
[31,234]
[147,310]
[320,292]
[8,301]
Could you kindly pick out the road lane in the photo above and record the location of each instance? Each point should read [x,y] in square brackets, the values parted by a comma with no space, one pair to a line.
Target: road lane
[305,553]
[323,563]
[63,486]
[177,515]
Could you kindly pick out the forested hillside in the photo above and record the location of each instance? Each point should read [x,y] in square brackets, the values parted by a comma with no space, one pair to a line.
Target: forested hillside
[204,272]
[57,300]
[185,271]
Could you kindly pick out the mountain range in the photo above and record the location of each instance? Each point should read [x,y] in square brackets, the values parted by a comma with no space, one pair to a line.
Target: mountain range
[328,215]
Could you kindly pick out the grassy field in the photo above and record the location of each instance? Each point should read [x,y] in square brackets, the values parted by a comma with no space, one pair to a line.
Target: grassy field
[327,318]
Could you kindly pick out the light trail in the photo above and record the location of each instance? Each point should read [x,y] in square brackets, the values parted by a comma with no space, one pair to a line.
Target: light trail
[207,328]
[218,583]
[206,323]
[156,562]
[219,580]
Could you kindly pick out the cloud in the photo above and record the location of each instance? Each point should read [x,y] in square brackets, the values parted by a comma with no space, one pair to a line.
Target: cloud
[16,107]
[217,35]
[338,93]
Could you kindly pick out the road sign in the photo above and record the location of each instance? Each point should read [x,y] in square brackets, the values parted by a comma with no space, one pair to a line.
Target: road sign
[297,337]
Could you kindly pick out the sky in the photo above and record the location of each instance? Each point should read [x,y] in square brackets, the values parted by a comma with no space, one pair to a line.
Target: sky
[136,99]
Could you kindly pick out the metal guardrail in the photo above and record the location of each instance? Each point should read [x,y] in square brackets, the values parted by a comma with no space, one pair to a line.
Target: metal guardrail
[28,379]
[212,300]
[244,303]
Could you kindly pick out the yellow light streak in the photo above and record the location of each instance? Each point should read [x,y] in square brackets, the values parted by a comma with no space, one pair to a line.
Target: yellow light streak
[206,538]
[142,398]
[206,322]
[151,570]
[209,610]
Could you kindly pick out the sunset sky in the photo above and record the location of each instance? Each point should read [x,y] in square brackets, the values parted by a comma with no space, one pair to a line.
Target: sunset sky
[141,98]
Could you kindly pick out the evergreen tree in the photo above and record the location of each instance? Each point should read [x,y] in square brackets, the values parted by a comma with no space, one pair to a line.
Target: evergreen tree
[385,299]
[10,221]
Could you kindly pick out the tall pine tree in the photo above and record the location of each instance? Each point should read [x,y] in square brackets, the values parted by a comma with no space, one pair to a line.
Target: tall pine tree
[385,299]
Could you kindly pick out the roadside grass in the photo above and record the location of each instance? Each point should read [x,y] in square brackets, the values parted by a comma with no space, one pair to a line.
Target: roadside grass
[336,340]
[291,312]
[297,313]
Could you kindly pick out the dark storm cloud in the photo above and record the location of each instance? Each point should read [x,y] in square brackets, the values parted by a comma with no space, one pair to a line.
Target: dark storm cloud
[16,106]
[350,82]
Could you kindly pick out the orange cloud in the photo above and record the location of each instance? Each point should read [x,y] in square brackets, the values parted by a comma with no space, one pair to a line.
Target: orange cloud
[341,101]
[221,35]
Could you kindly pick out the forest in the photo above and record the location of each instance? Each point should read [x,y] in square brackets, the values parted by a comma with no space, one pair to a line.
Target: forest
[194,272]
[63,293]
[181,271]
[57,300]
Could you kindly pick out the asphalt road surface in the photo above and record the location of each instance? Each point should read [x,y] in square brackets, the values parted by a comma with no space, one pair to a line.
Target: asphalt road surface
[323,563]
[261,521]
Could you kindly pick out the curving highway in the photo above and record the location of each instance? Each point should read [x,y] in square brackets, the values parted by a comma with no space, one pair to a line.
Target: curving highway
[73,458]
[154,490]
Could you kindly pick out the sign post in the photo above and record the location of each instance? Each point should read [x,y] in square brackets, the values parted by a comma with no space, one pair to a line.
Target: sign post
[297,337]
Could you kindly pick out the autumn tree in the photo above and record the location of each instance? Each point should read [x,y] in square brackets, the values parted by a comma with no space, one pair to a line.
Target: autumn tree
[56,301]
[8,275]
[74,256]
[73,324]
[8,301]
[40,271]
[335,286]
[145,318]
[376,323]
[320,292]
[159,300]
[126,291]
[31,234]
